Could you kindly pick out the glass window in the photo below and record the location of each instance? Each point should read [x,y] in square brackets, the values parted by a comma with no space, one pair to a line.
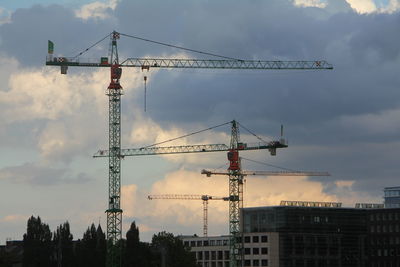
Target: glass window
[256,262]
[264,251]
[205,243]
[206,255]
[246,251]
[247,263]
[256,251]
[255,239]
[264,262]
[220,256]
[186,243]
[247,239]
[192,243]
[226,254]
[199,243]
[264,239]
[200,255]
[213,255]
[212,242]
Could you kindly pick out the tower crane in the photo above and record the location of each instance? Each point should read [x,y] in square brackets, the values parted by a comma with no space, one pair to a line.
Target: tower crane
[204,198]
[234,171]
[114,92]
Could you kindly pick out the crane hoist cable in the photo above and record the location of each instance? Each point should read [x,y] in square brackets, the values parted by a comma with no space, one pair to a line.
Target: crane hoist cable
[270,165]
[252,133]
[186,135]
[178,47]
[159,43]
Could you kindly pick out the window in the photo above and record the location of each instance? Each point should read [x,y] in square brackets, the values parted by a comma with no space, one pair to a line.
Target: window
[205,243]
[247,239]
[212,242]
[186,243]
[200,255]
[264,239]
[255,239]
[264,251]
[247,263]
[256,251]
[199,243]
[256,262]
[246,251]
[220,255]
[219,242]
[192,243]
[226,254]
[264,262]
[213,255]
[207,255]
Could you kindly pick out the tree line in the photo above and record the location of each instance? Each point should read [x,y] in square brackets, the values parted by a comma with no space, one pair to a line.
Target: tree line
[43,248]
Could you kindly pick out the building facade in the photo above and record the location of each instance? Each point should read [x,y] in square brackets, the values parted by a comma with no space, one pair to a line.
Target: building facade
[392,197]
[309,235]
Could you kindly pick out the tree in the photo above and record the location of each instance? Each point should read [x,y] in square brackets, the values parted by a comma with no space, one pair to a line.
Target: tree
[136,253]
[171,251]
[91,250]
[37,244]
[62,242]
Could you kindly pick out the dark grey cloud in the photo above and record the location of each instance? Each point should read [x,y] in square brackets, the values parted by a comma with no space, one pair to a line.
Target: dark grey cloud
[34,174]
[363,49]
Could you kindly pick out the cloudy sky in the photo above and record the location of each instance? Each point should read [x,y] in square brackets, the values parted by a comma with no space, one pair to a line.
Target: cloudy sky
[345,121]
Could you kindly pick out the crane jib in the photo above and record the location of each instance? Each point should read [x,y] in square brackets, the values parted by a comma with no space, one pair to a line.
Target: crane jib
[187,149]
[147,63]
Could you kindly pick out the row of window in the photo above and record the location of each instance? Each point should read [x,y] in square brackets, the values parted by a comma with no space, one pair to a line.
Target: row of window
[255,251]
[214,264]
[256,239]
[385,228]
[384,217]
[386,252]
[391,240]
[206,243]
[256,263]
[213,255]
[225,242]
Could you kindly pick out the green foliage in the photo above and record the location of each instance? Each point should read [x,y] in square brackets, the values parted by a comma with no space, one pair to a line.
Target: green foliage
[91,250]
[136,253]
[63,249]
[37,244]
[40,249]
[172,250]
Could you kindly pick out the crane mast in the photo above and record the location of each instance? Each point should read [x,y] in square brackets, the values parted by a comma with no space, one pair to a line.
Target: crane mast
[114,211]
[114,92]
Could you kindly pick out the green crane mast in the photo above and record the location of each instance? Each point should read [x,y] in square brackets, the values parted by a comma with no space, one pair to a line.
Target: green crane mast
[114,92]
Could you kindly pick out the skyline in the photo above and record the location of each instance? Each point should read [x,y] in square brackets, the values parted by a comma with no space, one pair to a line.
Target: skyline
[343,121]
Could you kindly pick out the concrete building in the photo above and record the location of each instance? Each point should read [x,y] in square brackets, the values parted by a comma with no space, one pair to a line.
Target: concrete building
[299,234]
[392,197]
[260,249]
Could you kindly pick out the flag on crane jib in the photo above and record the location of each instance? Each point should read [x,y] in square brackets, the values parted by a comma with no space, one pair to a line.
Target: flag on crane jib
[50,47]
